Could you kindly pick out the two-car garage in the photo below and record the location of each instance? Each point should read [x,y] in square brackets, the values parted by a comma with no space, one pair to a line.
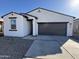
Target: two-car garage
[52,28]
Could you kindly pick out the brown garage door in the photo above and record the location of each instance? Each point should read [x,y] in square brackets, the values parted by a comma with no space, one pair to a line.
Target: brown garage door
[52,28]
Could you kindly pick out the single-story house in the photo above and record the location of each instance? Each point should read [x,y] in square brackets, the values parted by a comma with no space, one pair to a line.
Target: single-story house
[39,21]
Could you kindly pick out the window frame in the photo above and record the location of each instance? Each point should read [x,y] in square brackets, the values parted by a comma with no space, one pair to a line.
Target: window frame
[13,19]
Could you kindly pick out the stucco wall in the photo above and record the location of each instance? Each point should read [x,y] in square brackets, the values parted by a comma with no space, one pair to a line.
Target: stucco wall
[46,16]
[20,26]
[26,26]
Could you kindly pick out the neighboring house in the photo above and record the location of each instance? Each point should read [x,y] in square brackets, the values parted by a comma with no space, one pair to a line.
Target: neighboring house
[1,26]
[76,26]
[39,21]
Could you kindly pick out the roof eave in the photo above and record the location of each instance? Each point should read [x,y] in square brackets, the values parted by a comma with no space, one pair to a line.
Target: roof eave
[13,12]
[51,11]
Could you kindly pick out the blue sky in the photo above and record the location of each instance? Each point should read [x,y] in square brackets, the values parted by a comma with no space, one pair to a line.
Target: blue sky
[69,7]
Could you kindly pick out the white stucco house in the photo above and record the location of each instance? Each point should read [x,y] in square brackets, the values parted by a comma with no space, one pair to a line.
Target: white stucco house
[39,21]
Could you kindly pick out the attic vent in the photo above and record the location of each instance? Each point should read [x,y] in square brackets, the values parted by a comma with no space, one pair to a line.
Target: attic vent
[39,11]
[12,14]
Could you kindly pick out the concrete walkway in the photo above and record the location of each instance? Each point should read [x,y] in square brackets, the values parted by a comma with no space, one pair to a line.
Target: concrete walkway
[73,48]
[53,47]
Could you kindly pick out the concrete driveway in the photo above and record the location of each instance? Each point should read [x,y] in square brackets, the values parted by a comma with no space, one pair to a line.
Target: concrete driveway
[53,47]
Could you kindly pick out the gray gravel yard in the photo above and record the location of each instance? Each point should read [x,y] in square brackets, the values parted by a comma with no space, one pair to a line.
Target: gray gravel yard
[14,48]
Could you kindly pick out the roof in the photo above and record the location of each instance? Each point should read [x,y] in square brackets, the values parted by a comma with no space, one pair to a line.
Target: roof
[28,15]
[51,11]
[25,14]
[76,19]
[22,14]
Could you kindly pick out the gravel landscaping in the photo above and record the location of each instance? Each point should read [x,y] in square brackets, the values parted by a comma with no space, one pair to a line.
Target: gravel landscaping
[14,48]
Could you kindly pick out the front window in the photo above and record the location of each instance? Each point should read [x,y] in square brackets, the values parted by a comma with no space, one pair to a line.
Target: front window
[13,22]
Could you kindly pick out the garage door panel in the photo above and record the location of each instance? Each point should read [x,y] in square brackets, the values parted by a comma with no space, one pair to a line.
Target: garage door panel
[52,28]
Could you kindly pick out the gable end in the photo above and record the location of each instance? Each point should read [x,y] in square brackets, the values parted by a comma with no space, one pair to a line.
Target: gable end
[51,11]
